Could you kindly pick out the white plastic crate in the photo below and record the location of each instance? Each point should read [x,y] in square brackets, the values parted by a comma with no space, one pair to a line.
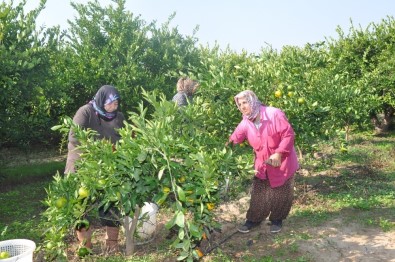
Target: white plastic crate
[20,250]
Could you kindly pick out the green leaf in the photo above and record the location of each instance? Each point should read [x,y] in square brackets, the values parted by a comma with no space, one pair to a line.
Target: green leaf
[136,174]
[187,245]
[171,223]
[160,174]
[54,128]
[181,234]
[181,194]
[142,156]
[182,256]
[194,230]
[180,219]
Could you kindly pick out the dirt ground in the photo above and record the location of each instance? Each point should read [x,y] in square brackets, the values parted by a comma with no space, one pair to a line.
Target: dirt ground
[337,240]
[343,238]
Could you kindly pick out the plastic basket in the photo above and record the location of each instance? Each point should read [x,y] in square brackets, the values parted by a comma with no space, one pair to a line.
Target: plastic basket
[20,250]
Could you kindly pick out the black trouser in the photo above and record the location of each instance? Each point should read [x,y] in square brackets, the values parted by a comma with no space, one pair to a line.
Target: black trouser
[110,217]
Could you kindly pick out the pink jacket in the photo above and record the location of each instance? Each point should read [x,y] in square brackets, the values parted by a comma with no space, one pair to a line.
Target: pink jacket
[275,135]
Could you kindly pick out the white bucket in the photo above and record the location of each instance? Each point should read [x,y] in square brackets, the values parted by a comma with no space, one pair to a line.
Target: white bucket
[146,225]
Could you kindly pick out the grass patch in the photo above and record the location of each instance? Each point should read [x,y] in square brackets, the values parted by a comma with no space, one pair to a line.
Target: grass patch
[18,174]
[357,187]
[20,211]
[312,216]
[23,189]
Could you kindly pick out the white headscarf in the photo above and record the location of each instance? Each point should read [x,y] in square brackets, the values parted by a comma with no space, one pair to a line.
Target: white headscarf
[252,99]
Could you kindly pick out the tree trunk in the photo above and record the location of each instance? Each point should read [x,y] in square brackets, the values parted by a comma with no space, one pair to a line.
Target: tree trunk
[130,229]
[382,122]
[300,152]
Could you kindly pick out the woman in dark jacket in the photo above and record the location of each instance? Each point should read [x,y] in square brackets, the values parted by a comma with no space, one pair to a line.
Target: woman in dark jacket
[102,115]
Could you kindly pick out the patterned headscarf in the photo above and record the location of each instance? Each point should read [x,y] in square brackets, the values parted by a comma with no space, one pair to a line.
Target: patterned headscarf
[187,85]
[105,95]
[252,99]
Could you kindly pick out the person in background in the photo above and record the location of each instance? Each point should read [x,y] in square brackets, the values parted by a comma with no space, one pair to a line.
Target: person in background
[272,138]
[100,114]
[186,88]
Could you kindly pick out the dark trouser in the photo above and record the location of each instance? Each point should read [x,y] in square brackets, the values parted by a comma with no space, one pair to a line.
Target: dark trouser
[110,217]
[273,202]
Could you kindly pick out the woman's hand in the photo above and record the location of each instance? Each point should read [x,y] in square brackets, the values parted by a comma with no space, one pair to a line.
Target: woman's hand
[275,159]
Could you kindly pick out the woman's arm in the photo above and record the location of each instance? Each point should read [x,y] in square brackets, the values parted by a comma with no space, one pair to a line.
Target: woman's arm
[286,132]
[239,135]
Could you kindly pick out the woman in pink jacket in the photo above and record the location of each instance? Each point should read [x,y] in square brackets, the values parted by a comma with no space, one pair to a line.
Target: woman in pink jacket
[271,136]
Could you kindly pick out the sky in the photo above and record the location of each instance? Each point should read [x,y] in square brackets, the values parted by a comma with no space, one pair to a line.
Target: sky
[243,24]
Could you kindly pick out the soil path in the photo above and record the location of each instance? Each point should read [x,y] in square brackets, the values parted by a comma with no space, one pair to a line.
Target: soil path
[339,239]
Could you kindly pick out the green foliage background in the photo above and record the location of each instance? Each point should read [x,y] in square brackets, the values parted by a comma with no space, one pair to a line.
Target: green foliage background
[47,74]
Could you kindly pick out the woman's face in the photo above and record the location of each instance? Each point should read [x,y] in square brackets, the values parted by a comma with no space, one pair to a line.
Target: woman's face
[111,107]
[244,106]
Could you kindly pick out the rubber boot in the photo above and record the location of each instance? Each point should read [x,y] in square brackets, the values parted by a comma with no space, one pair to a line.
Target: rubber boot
[85,237]
[112,239]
